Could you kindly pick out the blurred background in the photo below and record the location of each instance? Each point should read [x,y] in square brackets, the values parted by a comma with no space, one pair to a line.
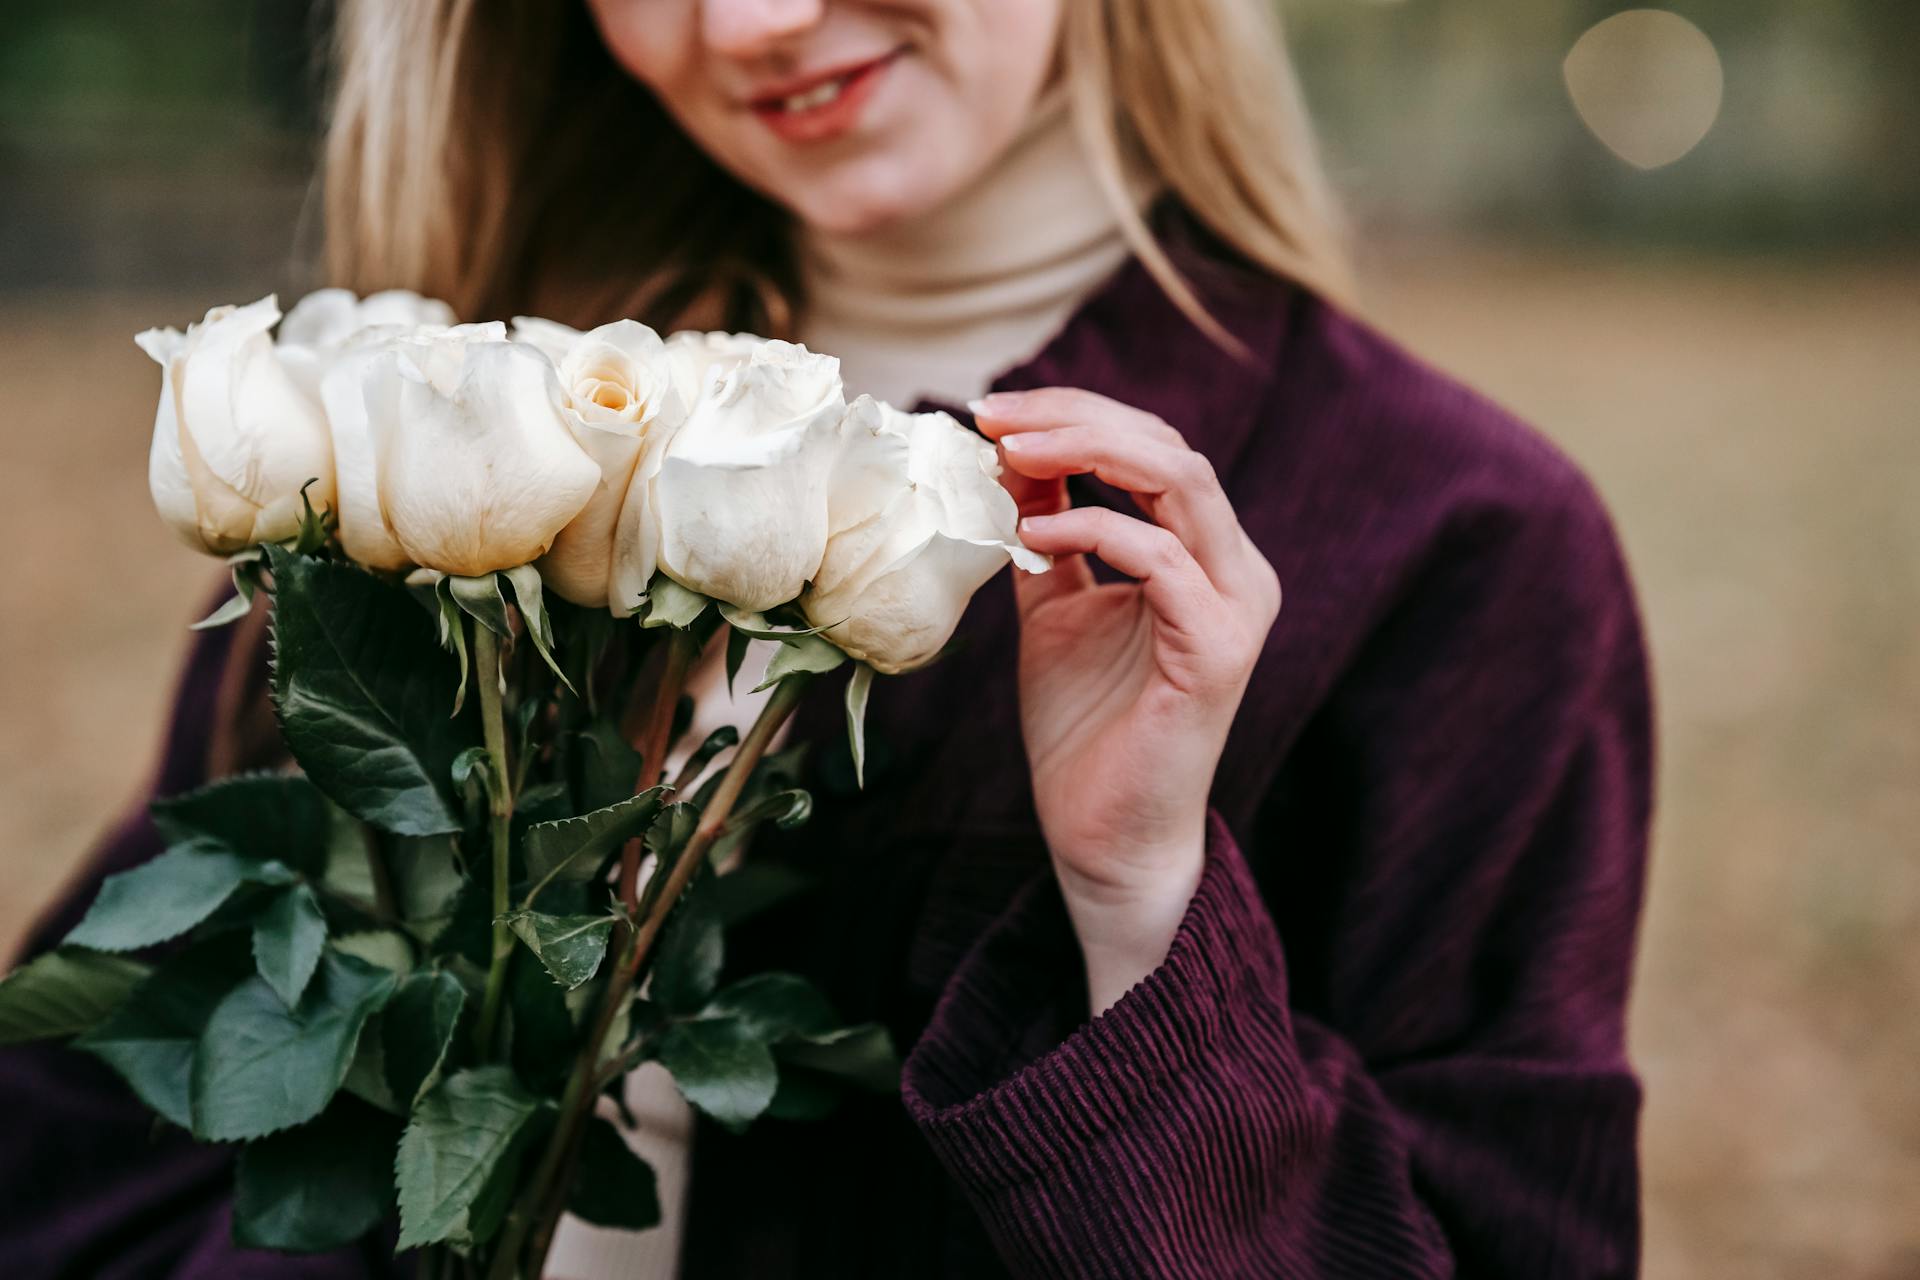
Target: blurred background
[1685,243]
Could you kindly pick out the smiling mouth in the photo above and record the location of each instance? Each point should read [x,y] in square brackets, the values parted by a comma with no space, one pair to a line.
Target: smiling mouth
[821,94]
[818,96]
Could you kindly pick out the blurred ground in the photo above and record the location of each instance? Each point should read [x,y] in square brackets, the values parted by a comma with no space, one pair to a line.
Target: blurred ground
[1756,429]
[1757,433]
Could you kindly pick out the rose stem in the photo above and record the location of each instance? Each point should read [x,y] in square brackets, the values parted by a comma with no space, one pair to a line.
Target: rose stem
[653,751]
[548,1188]
[486,661]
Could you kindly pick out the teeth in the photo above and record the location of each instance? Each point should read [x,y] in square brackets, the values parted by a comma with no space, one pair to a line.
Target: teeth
[818,96]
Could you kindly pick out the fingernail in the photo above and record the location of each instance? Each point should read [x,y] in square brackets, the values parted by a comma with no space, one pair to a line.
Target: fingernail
[1013,443]
[1034,524]
[992,402]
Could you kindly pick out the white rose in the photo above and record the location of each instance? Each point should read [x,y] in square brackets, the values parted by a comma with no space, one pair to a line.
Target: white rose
[327,321]
[235,437]
[741,496]
[920,521]
[619,400]
[459,458]
[699,357]
[360,437]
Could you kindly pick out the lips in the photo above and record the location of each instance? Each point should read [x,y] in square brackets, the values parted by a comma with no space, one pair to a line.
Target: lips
[821,105]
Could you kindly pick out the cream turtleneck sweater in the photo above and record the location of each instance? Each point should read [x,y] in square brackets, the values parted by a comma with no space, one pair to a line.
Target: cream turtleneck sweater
[937,306]
[941,304]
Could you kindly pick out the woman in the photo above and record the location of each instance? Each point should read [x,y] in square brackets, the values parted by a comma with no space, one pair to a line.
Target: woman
[1279,950]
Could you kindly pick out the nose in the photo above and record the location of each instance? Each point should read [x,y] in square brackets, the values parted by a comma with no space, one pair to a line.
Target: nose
[745,28]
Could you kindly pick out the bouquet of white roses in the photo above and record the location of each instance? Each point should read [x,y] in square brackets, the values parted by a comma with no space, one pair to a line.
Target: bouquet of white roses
[404,975]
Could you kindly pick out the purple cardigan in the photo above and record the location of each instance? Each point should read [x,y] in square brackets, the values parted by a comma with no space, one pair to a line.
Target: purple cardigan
[1388,1040]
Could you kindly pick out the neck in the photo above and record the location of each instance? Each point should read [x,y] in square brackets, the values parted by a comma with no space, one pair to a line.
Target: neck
[939,304]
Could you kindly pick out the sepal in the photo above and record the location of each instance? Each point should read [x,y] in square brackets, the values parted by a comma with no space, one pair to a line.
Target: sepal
[247,568]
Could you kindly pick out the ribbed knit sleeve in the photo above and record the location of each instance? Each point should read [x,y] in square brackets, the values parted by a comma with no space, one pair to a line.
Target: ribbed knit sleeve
[1183,1133]
[1457,1099]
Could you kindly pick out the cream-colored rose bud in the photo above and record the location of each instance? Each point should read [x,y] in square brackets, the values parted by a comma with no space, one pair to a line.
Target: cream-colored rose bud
[360,436]
[619,400]
[920,521]
[235,437]
[471,465]
[741,495]
[327,322]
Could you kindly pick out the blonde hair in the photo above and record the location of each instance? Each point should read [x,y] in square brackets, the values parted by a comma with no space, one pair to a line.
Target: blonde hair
[490,152]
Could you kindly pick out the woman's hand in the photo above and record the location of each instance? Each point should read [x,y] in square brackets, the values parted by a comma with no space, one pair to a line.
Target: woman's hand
[1126,689]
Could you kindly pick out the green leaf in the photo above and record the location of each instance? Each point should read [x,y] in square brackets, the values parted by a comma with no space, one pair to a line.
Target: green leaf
[549,801]
[63,993]
[774,1006]
[573,847]
[359,683]
[151,1039]
[571,947]
[668,835]
[367,1075]
[772,774]
[863,1055]
[417,1028]
[265,817]
[382,948]
[287,937]
[348,870]
[166,897]
[786,809]
[608,766]
[426,878]
[716,742]
[671,605]
[857,689]
[474,764]
[807,653]
[469,929]
[614,1187]
[541,1025]
[672,828]
[721,1067]
[317,1187]
[459,1158]
[687,965]
[262,1067]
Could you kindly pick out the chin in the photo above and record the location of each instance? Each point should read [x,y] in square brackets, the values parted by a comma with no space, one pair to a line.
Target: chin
[870,199]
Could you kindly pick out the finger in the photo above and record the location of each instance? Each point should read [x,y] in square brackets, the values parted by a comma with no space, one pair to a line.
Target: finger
[1176,486]
[1009,412]
[1069,572]
[1034,496]
[1176,589]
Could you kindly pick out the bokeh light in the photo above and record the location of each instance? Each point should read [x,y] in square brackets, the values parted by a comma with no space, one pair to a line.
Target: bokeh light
[1648,83]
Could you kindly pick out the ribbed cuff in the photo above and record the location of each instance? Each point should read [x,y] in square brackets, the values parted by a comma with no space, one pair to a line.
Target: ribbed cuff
[996,1124]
